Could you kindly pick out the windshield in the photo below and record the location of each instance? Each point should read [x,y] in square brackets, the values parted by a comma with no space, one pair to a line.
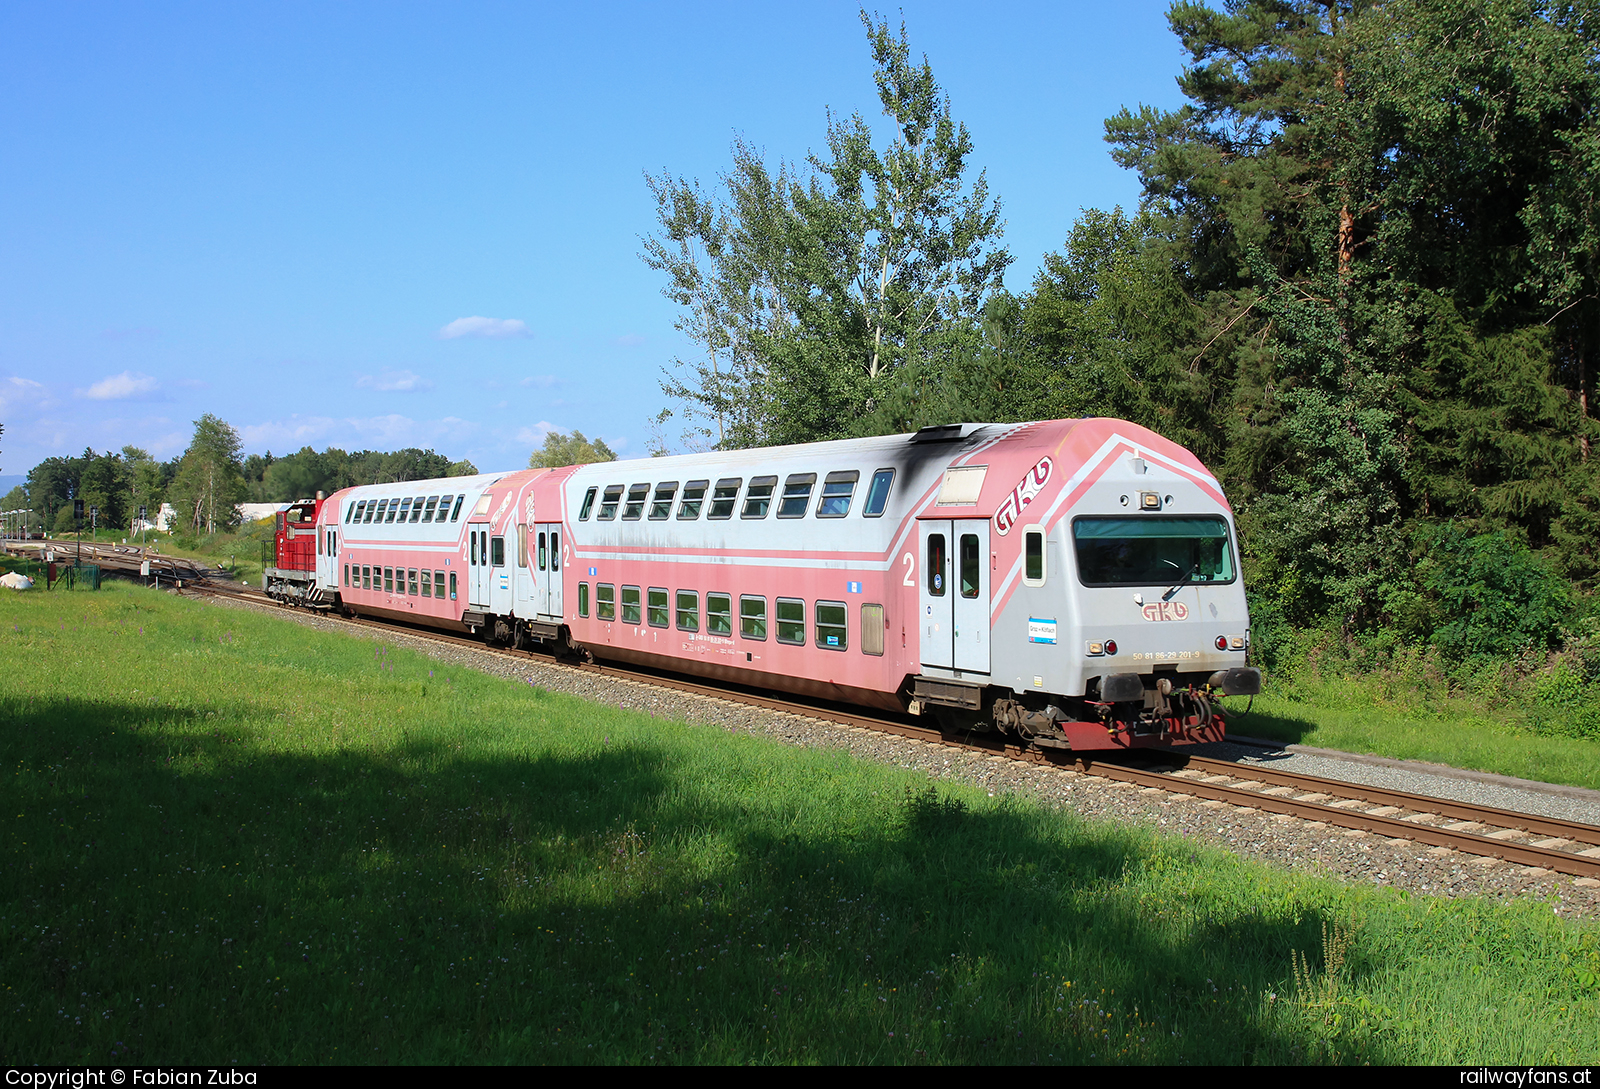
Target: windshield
[1152,551]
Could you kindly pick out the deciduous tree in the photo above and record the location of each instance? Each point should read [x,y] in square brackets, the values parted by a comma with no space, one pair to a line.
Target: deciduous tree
[820,295]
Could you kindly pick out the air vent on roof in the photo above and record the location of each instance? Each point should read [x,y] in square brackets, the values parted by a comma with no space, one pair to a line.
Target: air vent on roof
[939,433]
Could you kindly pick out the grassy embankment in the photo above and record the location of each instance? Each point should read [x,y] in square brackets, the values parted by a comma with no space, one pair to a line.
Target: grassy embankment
[231,838]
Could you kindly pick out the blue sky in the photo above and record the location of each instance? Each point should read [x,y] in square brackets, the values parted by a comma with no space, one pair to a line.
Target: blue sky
[386,225]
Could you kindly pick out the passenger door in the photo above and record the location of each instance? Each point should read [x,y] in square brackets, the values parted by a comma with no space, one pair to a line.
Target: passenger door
[328,555]
[953,594]
[935,609]
[970,594]
[549,569]
[478,572]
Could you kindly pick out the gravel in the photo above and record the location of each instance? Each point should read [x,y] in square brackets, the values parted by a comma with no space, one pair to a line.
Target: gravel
[1286,842]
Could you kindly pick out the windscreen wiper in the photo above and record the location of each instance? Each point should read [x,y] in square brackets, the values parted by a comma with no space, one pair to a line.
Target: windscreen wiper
[1183,578]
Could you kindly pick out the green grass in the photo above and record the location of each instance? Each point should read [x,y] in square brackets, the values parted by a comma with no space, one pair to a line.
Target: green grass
[234,839]
[1364,715]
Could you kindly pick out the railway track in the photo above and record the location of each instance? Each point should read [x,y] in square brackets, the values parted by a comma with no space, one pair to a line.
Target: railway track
[1543,843]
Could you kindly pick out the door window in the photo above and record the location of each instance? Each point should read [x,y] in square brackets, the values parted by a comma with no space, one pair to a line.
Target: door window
[935,564]
[971,565]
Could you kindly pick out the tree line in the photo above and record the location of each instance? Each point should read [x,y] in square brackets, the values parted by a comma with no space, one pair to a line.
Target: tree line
[1362,283]
[208,480]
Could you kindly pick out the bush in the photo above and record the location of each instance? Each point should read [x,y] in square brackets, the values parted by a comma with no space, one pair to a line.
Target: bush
[1483,598]
[1564,705]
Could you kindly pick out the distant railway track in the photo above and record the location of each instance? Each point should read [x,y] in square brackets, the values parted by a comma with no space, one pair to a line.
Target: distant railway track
[1545,843]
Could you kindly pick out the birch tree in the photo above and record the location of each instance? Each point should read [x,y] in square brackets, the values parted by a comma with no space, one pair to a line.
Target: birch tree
[815,293]
[210,481]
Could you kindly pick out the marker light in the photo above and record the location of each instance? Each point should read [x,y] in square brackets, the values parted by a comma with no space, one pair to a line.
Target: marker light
[1222,642]
[1111,646]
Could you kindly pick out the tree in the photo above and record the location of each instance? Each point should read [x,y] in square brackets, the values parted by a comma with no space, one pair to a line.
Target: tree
[143,475]
[210,479]
[816,296]
[1348,179]
[104,486]
[559,450]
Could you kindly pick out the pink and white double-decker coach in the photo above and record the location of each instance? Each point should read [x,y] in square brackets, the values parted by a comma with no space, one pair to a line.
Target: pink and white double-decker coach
[1074,583]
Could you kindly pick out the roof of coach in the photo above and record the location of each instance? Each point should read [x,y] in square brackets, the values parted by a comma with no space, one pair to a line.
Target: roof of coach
[867,454]
[479,483]
[1008,454]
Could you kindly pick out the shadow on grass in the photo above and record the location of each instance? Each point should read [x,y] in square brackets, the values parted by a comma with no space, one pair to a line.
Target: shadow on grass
[1285,729]
[184,895]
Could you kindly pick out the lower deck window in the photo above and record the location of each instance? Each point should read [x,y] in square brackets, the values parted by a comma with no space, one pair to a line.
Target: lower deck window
[753,617]
[832,624]
[605,601]
[452,586]
[872,629]
[791,620]
[688,610]
[583,598]
[658,607]
[427,584]
[366,578]
[388,580]
[719,614]
[411,582]
[438,584]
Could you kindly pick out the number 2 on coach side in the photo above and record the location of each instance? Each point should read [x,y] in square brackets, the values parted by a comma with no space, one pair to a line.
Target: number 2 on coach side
[911,570]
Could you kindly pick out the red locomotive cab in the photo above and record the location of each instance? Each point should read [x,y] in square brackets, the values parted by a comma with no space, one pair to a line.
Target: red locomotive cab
[297,536]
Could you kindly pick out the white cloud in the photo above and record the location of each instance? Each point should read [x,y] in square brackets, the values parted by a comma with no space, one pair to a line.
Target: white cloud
[18,391]
[403,381]
[535,435]
[120,387]
[541,381]
[485,327]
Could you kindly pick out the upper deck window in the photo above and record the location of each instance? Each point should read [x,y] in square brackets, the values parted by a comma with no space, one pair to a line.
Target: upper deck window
[837,491]
[416,508]
[456,511]
[724,497]
[433,502]
[694,494]
[1152,551]
[878,493]
[609,501]
[588,504]
[759,496]
[394,509]
[796,495]
[637,494]
[661,505]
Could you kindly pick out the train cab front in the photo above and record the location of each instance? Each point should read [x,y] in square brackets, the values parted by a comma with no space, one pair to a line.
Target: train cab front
[1164,631]
[1128,624]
